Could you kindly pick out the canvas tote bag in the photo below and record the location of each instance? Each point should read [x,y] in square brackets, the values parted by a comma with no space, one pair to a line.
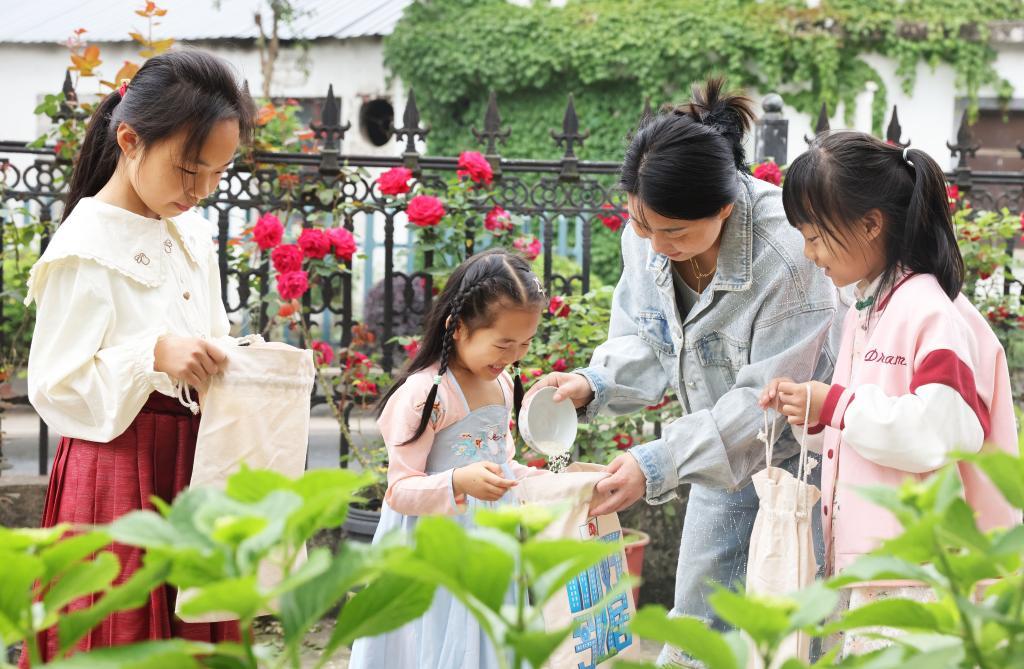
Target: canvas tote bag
[255,412]
[781,558]
[603,635]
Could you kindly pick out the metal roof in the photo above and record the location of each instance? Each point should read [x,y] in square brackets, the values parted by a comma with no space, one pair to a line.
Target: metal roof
[192,20]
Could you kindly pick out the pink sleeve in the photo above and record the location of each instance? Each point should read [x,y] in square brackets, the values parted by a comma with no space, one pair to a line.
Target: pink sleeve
[411,491]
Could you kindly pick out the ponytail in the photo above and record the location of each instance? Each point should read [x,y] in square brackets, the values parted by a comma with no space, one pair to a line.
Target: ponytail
[98,157]
[182,90]
[844,175]
[683,163]
[929,243]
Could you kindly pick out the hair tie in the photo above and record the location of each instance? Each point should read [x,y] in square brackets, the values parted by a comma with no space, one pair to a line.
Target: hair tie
[123,88]
[905,158]
[437,380]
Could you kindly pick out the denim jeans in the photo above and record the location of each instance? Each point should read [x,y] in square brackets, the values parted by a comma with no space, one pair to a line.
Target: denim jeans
[714,547]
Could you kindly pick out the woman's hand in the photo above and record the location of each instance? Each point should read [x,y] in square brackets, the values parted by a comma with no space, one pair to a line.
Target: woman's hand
[793,399]
[573,387]
[482,480]
[625,485]
[191,360]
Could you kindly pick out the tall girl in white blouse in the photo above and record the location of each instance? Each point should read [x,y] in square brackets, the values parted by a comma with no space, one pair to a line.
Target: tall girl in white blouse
[128,300]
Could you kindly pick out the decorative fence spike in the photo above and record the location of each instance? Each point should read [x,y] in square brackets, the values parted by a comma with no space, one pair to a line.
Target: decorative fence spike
[894,131]
[410,132]
[330,130]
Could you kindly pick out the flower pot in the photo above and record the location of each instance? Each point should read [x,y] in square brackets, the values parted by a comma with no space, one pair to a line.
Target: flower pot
[636,541]
[361,524]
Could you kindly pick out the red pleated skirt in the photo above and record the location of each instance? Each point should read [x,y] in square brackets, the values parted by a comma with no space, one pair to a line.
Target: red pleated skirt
[93,483]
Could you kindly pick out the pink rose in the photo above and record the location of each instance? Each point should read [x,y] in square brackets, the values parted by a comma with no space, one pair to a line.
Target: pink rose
[344,243]
[498,220]
[268,231]
[770,172]
[530,248]
[286,258]
[324,352]
[412,348]
[472,164]
[612,221]
[395,181]
[292,285]
[425,211]
[559,365]
[314,243]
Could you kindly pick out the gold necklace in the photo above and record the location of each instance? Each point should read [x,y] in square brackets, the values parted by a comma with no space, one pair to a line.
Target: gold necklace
[700,275]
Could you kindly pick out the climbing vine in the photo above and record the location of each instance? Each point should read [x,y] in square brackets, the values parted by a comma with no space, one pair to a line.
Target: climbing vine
[612,54]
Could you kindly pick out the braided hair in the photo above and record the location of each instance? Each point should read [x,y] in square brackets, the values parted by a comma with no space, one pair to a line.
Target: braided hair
[471,297]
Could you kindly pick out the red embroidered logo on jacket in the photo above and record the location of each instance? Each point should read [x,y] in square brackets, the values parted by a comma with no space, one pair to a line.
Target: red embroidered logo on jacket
[877,356]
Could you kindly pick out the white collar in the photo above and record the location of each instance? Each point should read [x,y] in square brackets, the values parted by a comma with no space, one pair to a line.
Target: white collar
[132,245]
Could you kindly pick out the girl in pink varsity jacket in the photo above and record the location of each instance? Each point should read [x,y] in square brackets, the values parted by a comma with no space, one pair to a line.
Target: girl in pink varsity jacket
[450,450]
[919,372]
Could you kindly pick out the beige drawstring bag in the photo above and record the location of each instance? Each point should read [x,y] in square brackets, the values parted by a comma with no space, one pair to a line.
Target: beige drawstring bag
[255,412]
[781,559]
[603,635]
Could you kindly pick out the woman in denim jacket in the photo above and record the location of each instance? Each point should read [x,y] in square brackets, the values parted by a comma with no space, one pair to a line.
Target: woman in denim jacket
[715,300]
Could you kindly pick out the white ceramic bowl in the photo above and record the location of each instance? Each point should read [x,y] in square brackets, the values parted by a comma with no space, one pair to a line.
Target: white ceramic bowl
[547,426]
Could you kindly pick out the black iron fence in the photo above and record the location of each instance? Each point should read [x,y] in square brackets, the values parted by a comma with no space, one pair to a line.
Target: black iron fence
[546,192]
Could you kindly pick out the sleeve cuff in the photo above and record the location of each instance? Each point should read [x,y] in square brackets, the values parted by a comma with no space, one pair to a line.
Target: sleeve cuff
[456,502]
[146,359]
[599,386]
[833,411]
[659,469]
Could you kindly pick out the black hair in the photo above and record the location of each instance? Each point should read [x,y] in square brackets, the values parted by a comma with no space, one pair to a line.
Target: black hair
[475,292]
[682,163]
[844,175]
[182,89]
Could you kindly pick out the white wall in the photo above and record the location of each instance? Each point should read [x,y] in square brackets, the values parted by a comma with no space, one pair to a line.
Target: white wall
[355,68]
[929,113]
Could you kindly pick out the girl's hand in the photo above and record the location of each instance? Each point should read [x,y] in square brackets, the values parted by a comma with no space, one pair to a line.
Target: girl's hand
[771,391]
[573,387]
[482,480]
[793,401]
[189,359]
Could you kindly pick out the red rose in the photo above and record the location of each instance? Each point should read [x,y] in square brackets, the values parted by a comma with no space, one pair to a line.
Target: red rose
[953,194]
[472,164]
[344,243]
[314,243]
[537,463]
[288,181]
[536,372]
[528,247]
[286,258]
[292,285]
[611,221]
[355,359]
[983,275]
[622,441]
[557,307]
[412,348]
[268,231]
[324,352]
[395,181]
[559,365]
[663,402]
[425,211]
[498,220]
[1022,220]
[770,172]
[367,388]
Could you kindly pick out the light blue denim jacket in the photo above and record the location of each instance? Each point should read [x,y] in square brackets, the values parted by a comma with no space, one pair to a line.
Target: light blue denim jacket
[767,313]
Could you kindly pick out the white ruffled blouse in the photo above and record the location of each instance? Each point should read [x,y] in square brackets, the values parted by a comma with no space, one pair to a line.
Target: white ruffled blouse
[108,285]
